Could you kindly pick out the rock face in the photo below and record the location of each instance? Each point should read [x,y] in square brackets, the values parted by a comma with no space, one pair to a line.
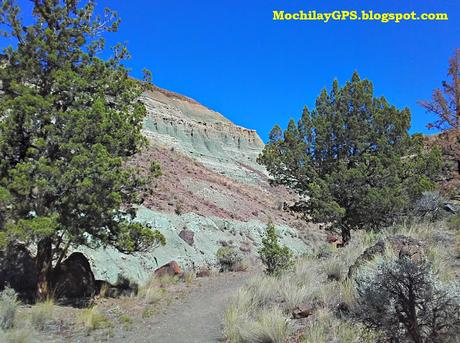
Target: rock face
[73,280]
[400,245]
[18,271]
[191,128]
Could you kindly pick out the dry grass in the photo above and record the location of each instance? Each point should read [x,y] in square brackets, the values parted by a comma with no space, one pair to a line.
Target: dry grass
[189,277]
[269,326]
[41,314]
[8,308]
[259,311]
[328,328]
[17,335]
[93,319]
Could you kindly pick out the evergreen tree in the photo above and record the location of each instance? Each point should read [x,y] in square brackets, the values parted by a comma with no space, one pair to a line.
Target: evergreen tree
[68,121]
[351,160]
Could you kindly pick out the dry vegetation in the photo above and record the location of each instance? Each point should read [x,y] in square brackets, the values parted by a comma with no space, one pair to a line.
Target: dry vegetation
[262,311]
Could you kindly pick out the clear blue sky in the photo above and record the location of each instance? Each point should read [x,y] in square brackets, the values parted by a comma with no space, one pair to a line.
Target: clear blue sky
[231,56]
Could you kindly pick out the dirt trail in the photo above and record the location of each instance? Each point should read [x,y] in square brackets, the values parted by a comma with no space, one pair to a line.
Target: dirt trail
[195,319]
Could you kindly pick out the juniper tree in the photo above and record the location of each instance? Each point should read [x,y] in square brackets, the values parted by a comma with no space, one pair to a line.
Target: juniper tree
[68,122]
[351,160]
[445,103]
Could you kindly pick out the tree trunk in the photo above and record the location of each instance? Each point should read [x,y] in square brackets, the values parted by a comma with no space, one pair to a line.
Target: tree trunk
[44,268]
[346,235]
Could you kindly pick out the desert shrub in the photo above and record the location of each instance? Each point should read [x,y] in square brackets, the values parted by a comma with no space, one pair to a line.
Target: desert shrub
[430,206]
[42,313]
[8,307]
[92,319]
[405,300]
[275,257]
[228,258]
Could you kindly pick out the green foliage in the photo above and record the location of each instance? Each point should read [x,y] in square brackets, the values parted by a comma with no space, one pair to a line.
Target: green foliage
[69,122]
[275,257]
[405,299]
[228,258]
[8,307]
[352,158]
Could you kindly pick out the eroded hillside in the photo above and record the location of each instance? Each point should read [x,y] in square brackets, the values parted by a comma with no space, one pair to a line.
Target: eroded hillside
[212,192]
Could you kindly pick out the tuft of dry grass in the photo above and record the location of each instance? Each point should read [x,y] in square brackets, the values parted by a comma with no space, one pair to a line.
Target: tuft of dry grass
[92,319]
[189,277]
[41,314]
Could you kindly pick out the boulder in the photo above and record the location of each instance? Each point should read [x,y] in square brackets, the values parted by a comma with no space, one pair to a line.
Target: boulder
[399,244]
[172,269]
[73,281]
[187,236]
[18,271]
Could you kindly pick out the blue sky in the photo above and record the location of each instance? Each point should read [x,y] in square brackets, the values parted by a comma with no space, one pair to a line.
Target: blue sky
[231,56]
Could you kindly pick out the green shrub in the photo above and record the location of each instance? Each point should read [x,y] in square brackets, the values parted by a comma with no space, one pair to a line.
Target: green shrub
[228,258]
[8,307]
[276,258]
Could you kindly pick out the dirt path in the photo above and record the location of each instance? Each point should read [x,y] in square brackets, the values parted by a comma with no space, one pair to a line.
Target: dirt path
[195,319]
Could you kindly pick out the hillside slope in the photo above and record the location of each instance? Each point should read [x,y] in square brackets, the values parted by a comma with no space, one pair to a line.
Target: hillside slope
[212,188]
